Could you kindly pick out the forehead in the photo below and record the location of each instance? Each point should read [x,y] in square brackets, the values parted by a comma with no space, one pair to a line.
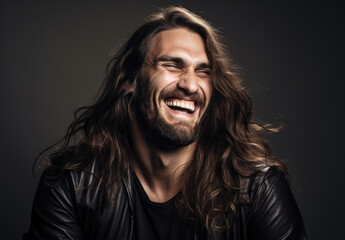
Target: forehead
[179,42]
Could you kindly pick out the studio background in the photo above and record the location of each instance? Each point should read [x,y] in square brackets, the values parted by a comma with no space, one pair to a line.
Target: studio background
[53,58]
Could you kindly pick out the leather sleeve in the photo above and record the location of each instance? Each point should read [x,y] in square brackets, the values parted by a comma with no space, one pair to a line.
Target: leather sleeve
[275,214]
[53,213]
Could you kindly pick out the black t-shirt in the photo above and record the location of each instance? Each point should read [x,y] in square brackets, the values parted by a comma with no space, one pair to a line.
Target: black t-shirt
[156,221]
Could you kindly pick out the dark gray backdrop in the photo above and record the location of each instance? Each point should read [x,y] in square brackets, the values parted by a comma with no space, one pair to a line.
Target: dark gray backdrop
[53,57]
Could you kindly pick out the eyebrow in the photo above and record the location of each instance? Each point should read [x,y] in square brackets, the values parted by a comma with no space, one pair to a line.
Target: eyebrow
[179,60]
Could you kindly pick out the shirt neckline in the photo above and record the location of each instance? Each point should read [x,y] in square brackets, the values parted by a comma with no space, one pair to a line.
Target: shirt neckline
[168,203]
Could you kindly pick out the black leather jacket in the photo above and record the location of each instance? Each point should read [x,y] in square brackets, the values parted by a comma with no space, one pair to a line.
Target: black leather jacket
[67,210]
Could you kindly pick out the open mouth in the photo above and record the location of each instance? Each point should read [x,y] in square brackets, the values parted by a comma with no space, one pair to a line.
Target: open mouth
[176,104]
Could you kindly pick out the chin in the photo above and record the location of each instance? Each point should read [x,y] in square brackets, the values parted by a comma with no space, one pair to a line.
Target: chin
[158,130]
[180,135]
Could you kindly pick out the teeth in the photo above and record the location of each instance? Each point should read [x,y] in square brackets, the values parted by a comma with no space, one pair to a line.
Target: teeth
[190,106]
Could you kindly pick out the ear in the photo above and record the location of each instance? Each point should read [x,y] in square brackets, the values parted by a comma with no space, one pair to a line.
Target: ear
[128,86]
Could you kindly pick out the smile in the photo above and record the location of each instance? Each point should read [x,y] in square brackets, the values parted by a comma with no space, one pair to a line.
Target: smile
[181,105]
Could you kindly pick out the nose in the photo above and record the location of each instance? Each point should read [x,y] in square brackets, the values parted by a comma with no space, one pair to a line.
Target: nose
[188,83]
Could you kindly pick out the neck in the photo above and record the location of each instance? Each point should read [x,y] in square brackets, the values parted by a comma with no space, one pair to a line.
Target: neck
[159,170]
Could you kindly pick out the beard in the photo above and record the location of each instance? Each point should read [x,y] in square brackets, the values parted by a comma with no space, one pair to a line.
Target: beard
[176,135]
[162,133]
[155,128]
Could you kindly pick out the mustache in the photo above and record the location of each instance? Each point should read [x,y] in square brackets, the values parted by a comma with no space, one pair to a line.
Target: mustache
[178,93]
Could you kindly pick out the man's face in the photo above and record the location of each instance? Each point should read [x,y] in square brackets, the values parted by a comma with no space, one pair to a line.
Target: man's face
[175,86]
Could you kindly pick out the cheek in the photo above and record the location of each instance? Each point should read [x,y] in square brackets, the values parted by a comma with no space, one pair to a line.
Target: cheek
[162,78]
[207,89]
[160,81]
[150,95]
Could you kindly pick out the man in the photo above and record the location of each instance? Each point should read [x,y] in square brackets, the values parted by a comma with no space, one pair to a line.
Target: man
[168,151]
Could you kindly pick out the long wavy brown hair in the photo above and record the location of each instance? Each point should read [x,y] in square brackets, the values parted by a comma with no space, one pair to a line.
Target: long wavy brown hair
[230,144]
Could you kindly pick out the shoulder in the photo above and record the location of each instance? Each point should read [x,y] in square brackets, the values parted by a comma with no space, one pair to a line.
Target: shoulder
[73,184]
[54,175]
[255,186]
[272,209]
[62,202]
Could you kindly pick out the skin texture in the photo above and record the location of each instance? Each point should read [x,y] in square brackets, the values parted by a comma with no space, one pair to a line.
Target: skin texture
[176,70]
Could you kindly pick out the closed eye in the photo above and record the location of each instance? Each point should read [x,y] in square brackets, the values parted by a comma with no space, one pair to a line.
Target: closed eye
[203,73]
[171,67]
